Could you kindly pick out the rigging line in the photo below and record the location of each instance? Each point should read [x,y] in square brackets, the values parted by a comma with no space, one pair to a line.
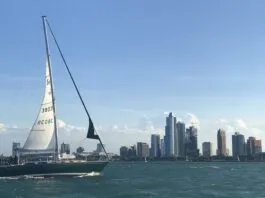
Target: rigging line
[62,56]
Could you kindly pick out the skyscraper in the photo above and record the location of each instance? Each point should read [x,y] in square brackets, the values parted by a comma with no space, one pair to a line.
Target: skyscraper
[206,149]
[124,152]
[180,133]
[162,147]
[192,142]
[65,148]
[169,135]
[132,151]
[155,145]
[253,146]
[238,144]
[15,148]
[258,147]
[99,148]
[221,142]
[142,149]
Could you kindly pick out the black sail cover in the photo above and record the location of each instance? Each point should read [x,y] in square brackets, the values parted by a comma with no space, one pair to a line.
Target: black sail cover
[91,131]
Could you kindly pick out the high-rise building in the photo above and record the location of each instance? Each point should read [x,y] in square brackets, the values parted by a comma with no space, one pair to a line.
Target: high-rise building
[227,152]
[132,151]
[162,147]
[99,148]
[192,142]
[124,152]
[221,142]
[169,135]
[238,144]
[253,146]
[15,148]
[142,149]
[65,148]
[258,147]
[155,145]
[180,140]
[207,149]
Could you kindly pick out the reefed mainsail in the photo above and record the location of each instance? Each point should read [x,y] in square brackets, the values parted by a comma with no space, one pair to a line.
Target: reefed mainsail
[42,133]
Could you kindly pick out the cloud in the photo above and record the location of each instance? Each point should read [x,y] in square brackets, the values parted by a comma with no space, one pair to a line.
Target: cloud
[222,121]
[240,124]
[5,128]
[61,124]
[193,120]
[2,127]
[232,125]
[112,136]
[146,124]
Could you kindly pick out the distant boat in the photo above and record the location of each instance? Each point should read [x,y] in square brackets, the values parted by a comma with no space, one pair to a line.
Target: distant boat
[187,158]
[40,156]
[145,160]
[238,159]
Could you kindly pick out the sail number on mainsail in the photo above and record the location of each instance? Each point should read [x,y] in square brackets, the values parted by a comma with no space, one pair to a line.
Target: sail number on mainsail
[46,109]
[47,121]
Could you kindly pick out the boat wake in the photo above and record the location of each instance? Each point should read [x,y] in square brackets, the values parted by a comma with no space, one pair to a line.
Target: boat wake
[92,174]
[41,177]
[9,178]
[28,177]
[25,177]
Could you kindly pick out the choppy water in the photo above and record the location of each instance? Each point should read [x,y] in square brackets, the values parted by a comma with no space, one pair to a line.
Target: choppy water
[164,179]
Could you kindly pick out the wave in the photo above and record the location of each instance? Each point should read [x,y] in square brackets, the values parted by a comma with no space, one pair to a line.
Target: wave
[214,167]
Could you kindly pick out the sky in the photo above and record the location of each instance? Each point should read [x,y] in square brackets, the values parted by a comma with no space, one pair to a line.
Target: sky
[133,62]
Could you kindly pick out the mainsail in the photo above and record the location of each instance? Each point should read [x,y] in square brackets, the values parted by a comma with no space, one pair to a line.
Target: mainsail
[42,134]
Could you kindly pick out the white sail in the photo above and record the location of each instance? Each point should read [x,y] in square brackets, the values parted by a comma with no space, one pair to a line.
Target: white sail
[42,134]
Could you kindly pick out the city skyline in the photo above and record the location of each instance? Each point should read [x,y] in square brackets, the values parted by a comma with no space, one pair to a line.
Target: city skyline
[143,135]
[188,58]
[169,145]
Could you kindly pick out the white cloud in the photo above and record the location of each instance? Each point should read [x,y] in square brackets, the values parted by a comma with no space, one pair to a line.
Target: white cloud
[2,127]
[193,120]
[222,121]
[240,124]
[61,124]
[146,124]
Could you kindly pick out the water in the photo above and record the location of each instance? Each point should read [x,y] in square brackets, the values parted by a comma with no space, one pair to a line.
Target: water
[163,179]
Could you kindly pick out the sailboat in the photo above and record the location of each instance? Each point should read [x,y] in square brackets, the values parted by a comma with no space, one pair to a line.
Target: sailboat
[39,155]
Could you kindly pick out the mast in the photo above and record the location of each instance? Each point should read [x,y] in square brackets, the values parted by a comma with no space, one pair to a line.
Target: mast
[52,93]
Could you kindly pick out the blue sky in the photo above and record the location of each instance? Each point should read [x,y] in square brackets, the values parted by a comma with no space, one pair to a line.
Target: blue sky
[135,58]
